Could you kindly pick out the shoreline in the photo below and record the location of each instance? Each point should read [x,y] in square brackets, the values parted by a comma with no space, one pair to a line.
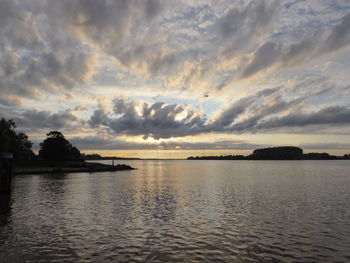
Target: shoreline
[57,168]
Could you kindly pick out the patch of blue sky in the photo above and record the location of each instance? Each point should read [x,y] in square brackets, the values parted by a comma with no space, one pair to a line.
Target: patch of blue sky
[277,35]
[117,77]
[26,58]
[166,99]
[340,5]
[184,13]
[197,19]
[208,106]
[292,3]
[328,97]
[323,10]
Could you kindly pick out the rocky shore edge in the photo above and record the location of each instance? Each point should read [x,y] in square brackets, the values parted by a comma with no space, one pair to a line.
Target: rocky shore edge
[71,167]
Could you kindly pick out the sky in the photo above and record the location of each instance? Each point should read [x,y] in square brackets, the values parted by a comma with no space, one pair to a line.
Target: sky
[148,78]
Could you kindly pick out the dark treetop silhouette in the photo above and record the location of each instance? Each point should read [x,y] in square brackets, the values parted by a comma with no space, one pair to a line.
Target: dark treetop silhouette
[95,156]
[278,153]
[56,148]
[13,142]
[56,154]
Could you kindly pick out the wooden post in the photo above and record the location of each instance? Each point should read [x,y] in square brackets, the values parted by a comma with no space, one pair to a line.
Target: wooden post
[6,173]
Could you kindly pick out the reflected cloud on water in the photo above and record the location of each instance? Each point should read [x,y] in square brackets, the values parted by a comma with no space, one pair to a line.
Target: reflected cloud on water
[169,211]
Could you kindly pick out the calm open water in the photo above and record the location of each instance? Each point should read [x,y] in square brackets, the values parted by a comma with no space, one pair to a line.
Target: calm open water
[182,211]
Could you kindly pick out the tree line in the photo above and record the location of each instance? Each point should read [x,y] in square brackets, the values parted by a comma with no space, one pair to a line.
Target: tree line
[275,153]
[54,148]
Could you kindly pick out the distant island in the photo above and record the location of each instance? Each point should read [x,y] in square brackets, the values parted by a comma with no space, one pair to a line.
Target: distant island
[95,156]
[276,153]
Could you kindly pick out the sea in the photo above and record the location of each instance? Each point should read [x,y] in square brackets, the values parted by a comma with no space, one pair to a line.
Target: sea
[182,211]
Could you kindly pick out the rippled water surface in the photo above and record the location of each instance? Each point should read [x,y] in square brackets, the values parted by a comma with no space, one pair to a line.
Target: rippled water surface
[182,211]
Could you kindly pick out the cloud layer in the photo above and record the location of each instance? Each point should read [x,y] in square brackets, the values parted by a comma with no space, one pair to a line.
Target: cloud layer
[167,70]
[266,111]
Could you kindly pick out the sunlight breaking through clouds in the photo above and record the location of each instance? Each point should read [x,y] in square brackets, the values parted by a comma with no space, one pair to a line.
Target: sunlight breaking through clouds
[176,69]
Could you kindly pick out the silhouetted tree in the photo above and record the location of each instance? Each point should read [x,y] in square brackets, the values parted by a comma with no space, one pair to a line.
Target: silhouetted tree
[316,156]
[56,148]
[16,143]
[278,153]
[7,135]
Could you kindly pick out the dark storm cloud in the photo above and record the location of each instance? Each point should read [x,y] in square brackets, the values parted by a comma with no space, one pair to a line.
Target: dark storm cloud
[17,27]
[216,145]
[9,101]
[264,57]
[47,45]
[229,115]
[36,120]
[240,27]
[59,69]
[331,115]
[263,112]
[30,63]
[158,120]
[104,22]
[117,28]
[52,47]
[323,146]
[278,116]
[310,47]
[338,37]
[279,105]
[99,117]
[48,71]
[98,143]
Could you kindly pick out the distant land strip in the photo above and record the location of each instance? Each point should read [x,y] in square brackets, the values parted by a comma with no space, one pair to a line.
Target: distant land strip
[275,153]
[67,167]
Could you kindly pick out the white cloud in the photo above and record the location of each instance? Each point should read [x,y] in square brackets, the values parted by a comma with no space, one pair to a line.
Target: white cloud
[222,57]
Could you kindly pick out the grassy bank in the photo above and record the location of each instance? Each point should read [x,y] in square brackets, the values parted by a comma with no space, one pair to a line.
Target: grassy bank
[44,167]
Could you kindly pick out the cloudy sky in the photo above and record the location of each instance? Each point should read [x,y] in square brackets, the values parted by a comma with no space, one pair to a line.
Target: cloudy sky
[128,77]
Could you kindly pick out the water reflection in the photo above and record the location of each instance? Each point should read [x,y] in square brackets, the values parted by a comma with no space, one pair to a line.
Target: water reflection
[156,196]
[5,209]
[175,211]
